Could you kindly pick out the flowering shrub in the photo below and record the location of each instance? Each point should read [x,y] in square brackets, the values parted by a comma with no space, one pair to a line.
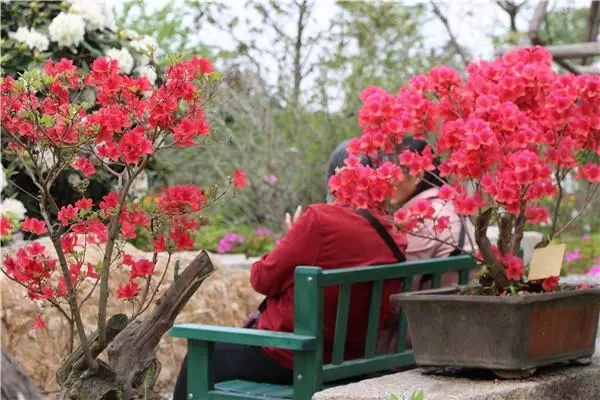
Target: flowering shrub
[81,30]
[507,136]
[582,255]
[32,33]
[229,242]
[44,117]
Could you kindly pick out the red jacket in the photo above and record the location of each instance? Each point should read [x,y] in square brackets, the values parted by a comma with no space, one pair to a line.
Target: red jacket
[329,237]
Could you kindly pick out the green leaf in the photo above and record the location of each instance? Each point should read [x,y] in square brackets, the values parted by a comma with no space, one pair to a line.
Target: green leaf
[47,121]
[420,395]
[173,59]
[93,51]
[215,76]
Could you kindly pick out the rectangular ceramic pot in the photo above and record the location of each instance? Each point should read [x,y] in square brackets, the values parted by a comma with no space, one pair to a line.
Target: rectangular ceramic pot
[517,333]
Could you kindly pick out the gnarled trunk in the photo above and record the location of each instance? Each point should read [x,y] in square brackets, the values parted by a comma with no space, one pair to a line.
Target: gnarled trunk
[132,367]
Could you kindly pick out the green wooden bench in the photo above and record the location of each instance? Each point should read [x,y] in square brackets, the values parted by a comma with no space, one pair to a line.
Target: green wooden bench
[310,375]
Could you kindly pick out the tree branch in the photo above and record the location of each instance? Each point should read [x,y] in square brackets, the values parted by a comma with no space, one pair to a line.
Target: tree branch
[458,48]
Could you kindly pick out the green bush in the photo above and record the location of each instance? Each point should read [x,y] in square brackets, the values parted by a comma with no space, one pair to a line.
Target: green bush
[284,151]
[214,229]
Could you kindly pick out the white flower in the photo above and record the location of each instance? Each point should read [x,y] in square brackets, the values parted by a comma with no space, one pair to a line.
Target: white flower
[148,72]
[74,179]
[109,16]
[91,12]
[3,181]
[20,35]
[14,208]
[32,38]
[139,186]
[123,57]
[130,34]
[147,44]
[67,29]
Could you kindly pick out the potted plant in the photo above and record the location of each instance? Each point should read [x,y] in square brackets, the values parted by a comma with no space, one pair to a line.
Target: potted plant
[506,137]
[49,127]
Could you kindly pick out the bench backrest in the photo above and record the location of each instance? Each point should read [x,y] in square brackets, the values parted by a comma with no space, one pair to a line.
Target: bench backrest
[309,284]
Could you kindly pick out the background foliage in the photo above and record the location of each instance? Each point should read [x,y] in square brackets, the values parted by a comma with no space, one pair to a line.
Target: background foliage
[292,82]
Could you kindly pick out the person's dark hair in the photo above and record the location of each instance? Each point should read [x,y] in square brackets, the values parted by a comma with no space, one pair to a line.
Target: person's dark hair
[336,160]
[431,178]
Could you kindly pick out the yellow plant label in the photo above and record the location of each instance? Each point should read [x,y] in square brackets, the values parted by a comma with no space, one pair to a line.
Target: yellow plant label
[546,262]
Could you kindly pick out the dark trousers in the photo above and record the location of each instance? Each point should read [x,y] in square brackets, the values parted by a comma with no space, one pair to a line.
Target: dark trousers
[232,361]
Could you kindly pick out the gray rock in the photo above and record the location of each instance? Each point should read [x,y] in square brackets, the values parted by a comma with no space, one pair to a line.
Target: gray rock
[234,260]
[553,383]
[579,279]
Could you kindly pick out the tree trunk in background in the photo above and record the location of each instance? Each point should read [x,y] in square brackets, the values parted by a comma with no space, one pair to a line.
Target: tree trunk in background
[15,384]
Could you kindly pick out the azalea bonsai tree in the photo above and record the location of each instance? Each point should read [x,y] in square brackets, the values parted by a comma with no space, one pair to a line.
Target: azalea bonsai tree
[33,32]
[506,136]
[43,113]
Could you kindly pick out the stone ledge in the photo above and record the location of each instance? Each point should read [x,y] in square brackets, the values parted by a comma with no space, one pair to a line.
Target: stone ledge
[569,383]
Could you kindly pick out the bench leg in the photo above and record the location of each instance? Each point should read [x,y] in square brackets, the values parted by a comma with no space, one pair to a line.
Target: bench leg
[199,369]
[307,375]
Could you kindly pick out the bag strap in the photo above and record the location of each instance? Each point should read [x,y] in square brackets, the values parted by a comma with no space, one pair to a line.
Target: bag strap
[385,235]
[461,240]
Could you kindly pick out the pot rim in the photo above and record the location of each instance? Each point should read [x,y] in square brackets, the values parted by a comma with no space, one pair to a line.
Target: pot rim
[449,295]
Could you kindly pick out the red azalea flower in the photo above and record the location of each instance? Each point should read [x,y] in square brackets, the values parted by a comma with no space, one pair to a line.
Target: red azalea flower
[6,226]
[142,268]
[84,204]
[128,291]
[110,201]
[239,179]
[134,145]
[39,323]
[85,166]
[181,199]
[550,284]
[67,213]
[33,225]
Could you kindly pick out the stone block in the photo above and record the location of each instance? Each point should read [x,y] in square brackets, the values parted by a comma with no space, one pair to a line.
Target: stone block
[551,383]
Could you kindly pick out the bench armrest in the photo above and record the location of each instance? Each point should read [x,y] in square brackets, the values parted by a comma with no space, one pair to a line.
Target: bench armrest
[248,337]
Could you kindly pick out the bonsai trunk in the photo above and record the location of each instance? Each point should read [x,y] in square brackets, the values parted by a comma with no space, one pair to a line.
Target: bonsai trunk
[132,367]
[496,270]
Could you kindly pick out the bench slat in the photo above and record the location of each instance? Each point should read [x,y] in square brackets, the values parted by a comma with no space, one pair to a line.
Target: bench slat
[249,337]
[364,366]
[262,390]
[222,395]
[341,325]
[373,322]
[402,323]
[393,271]
[437,280]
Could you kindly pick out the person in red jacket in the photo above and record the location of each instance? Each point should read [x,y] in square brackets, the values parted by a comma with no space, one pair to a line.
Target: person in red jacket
[328,236]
